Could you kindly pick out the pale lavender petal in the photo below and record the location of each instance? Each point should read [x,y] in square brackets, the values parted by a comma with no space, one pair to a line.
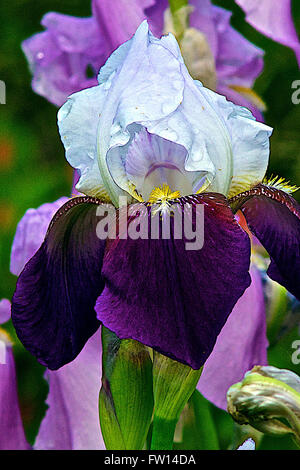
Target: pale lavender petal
[238,61]
[118,20]
[72,419]
[155,16]
[273,19]
[241,345]
[12,435]
[202,18]
[61,56]
[30,233]
[5,310]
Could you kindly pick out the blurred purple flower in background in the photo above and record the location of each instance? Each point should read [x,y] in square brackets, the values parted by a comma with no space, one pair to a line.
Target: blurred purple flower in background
[273,19]
[67,56]
[30,233]
[73,403]
[12,435]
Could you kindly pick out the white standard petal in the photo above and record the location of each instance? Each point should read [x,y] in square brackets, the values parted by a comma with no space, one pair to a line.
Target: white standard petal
[145,85]
[78,122]
[249,141]
[152,88]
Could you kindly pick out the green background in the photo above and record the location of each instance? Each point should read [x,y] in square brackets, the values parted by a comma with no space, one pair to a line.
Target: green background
[33,169]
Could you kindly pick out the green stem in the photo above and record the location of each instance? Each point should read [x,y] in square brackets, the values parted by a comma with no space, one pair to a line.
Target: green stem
[163,434]
[177,4]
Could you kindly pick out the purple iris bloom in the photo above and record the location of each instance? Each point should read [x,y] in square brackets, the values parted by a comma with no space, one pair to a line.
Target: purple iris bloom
[152,134]
[66,57]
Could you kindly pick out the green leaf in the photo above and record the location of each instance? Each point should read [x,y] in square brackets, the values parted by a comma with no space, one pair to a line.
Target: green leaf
[126,395]
[196,429]
[173,385]
[277,307]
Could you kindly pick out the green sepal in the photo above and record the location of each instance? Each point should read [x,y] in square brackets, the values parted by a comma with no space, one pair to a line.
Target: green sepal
[173,385]
[180,12]
[126,395]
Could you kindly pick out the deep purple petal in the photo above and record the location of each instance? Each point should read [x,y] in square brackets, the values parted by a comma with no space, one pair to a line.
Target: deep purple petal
[53,305]
[274,218]
[12,435]
[273,19]
[172,299]
[241,345]
[72,419]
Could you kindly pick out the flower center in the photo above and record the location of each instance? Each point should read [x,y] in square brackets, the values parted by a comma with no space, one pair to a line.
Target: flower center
[161,195]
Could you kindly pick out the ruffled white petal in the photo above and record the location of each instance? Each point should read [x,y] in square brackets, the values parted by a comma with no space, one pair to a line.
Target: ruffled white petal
[249,141]
[145,85]
[78,122]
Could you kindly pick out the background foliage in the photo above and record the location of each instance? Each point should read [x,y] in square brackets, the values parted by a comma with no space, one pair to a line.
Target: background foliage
[33,169]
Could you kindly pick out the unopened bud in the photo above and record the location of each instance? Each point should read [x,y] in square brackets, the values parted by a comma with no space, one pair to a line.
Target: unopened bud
[269,400]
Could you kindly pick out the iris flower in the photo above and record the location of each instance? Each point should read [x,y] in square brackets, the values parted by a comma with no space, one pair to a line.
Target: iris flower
[152,134]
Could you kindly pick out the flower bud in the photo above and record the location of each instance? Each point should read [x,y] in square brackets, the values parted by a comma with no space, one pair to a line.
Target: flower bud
[269,400]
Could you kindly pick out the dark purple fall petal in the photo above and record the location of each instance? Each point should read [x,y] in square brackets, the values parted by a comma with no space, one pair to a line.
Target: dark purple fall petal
[53,305]
[173,299]
[274,218]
